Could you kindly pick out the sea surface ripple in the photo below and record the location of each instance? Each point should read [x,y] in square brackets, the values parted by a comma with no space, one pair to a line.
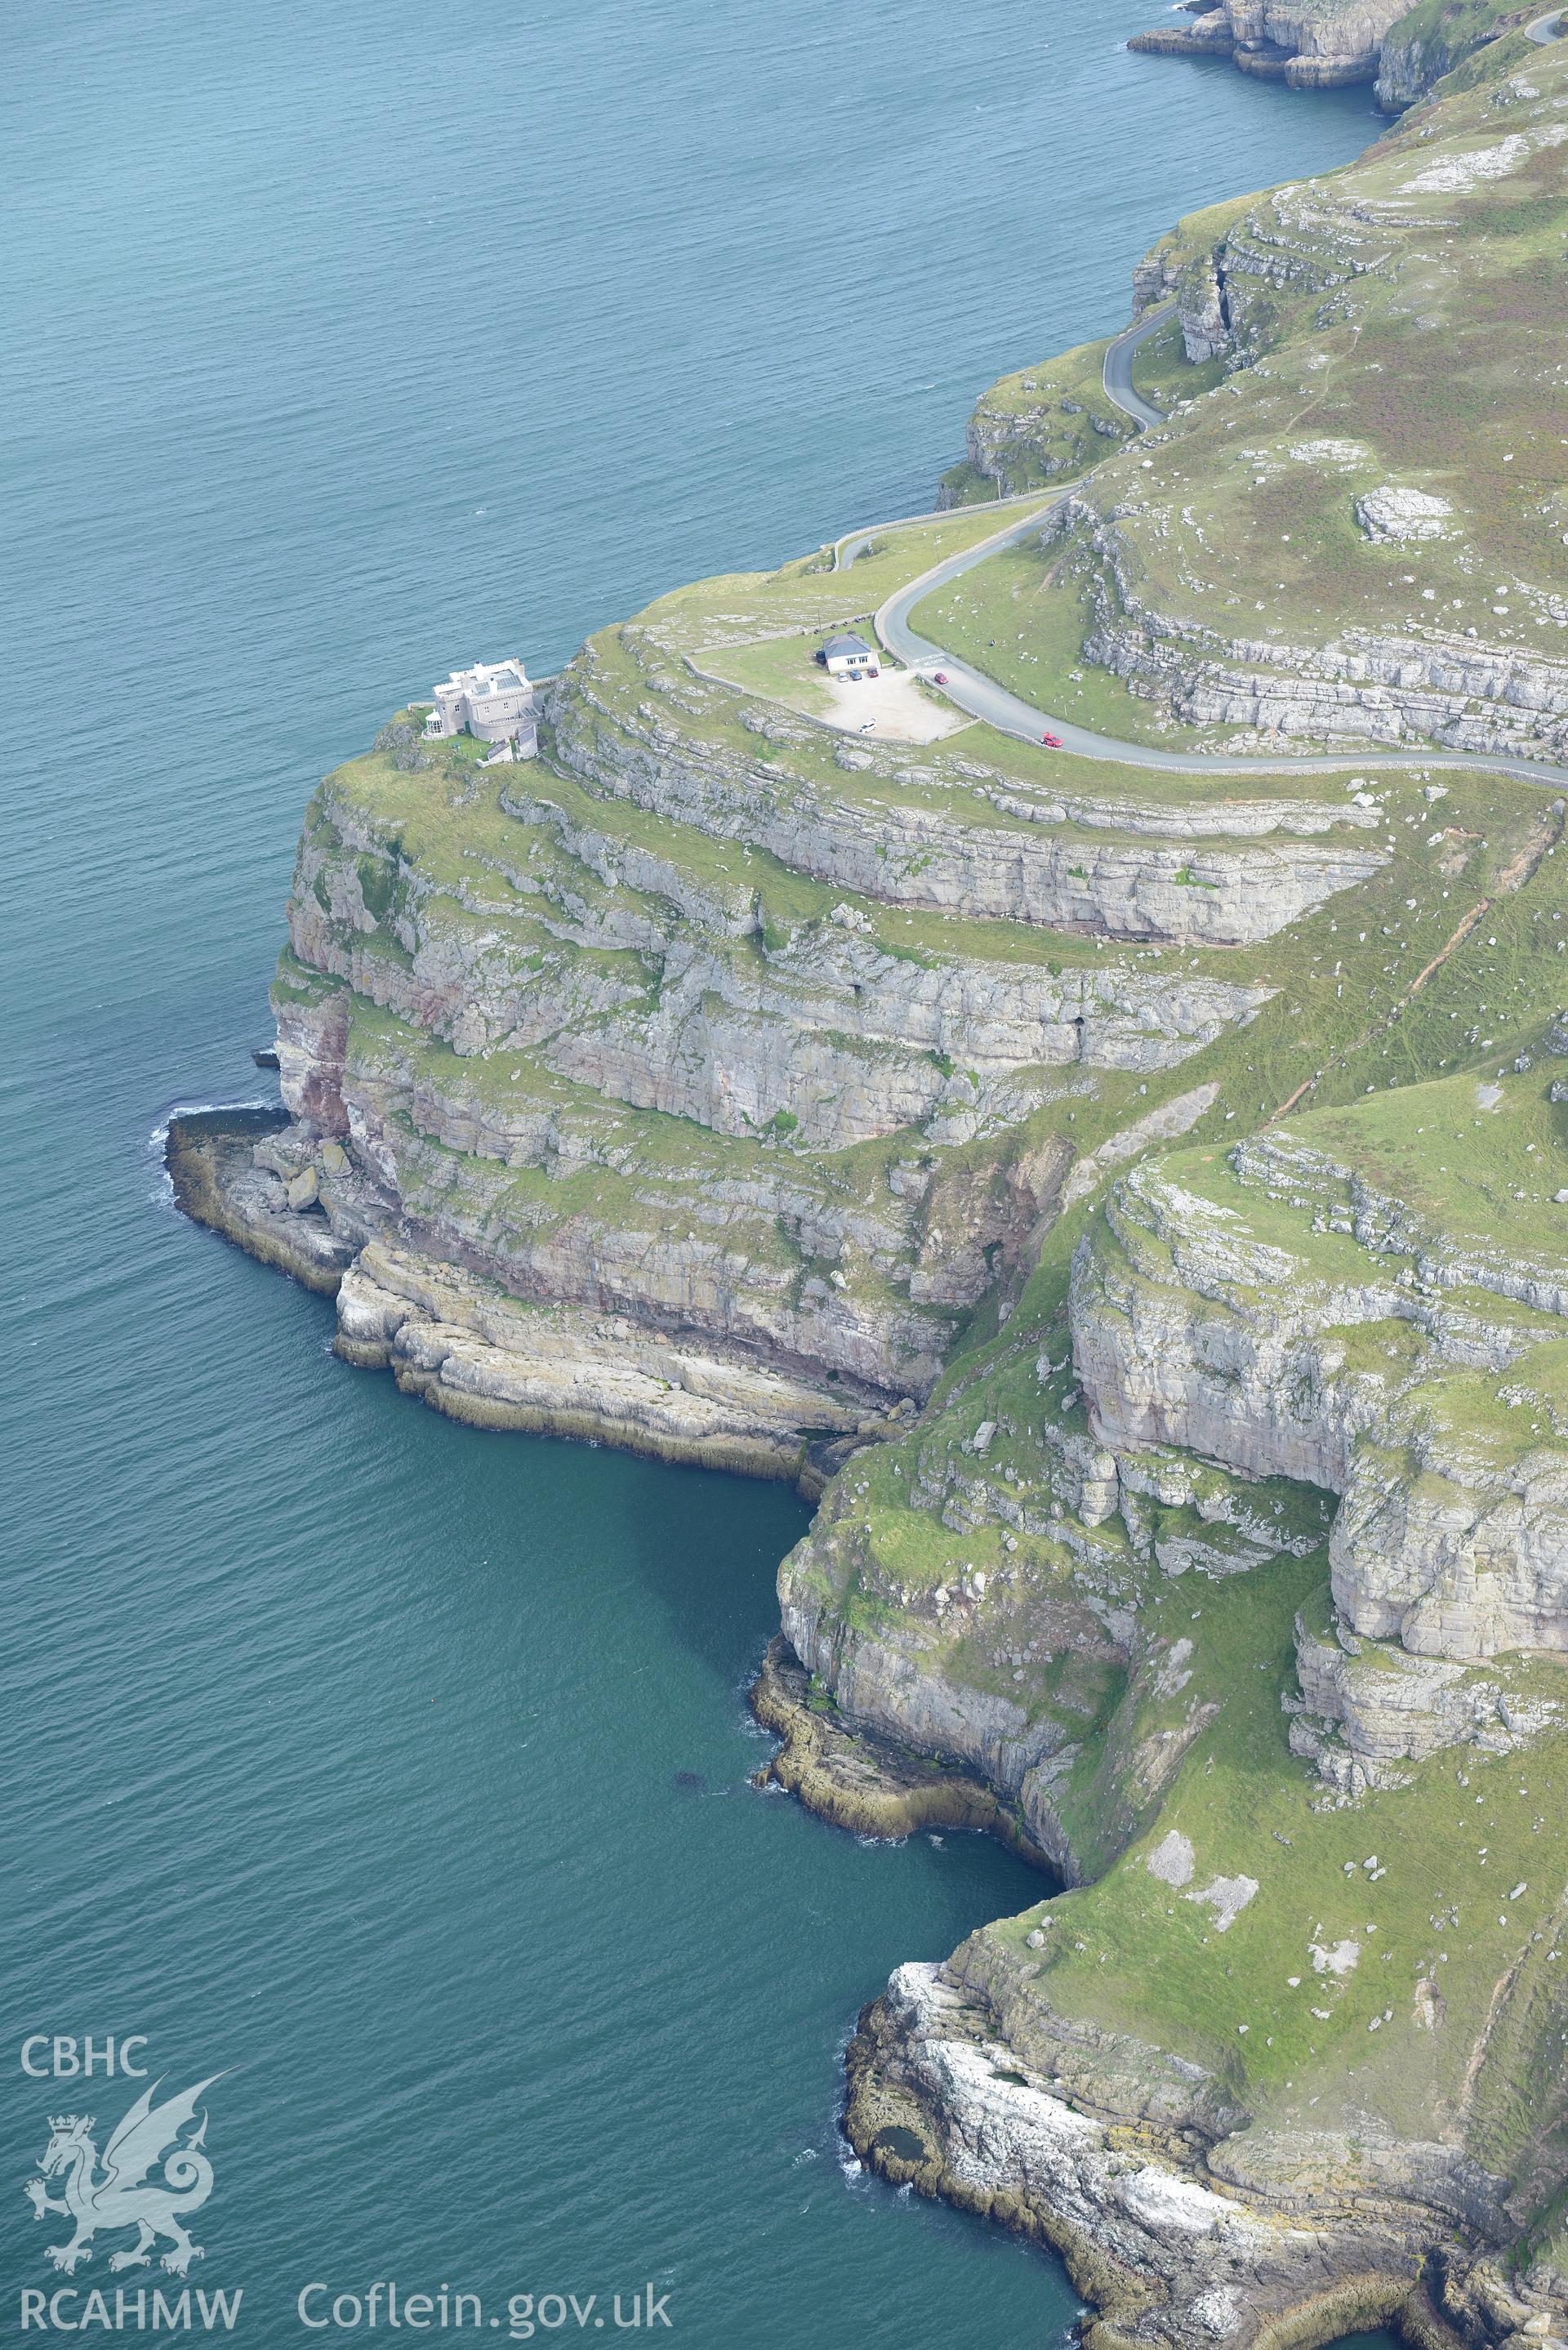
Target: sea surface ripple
[340,1745]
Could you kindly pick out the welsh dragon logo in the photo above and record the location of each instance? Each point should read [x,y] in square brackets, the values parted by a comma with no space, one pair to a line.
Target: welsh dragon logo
[122,2195]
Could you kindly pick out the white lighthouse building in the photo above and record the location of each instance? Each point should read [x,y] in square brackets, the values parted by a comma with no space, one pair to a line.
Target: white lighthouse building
[493,701]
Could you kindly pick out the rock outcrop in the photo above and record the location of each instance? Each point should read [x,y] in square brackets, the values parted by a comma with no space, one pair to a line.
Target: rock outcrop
[869,1785]
[1256,2073]
[1367,1708]
[563,1060]
[1333,44]
[1013,865]
[1346,1367]
[1142,2171]
[1196,568]
[1131,1202]
[1432,686]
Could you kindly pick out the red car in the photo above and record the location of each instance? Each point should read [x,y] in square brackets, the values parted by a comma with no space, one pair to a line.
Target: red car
[939,677]
[1052,742]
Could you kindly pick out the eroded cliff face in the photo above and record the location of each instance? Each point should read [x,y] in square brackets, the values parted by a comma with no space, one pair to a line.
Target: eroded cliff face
[1021,857]
[722,1032]
[1231,1569]
[593,1079]
[1085,2136]
[1045,423]
[1335,44]
[687,1008]
[1134,1202]
[1245,1595]
[1364,1358]
[717,1033]
[1241,1585]
[1323,45]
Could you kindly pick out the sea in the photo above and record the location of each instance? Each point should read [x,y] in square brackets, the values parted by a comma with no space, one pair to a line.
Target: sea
[385,1783]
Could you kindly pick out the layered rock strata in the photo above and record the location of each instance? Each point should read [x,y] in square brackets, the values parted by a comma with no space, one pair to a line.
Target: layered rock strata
[859,1781]
[1287,558]
[1179,2221]
[1330,47]
[1191,1519]
[1276,1311]
[1434,687]
[1024,869]
[1342,1366]
[1311,46]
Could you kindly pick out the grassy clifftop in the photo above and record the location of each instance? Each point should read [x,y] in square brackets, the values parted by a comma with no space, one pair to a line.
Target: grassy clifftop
[1235,1559]
[1357,534]
[1285,1734]
[1130,1197]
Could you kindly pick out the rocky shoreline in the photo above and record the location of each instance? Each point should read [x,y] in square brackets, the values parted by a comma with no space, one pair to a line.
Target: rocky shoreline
[1139,2207]
[208,1155]
[1133,1202]
[479,1356]
[857,1781]
[1402,50]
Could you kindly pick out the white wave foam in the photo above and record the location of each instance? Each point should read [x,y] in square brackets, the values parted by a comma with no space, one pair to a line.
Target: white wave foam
[157,1144]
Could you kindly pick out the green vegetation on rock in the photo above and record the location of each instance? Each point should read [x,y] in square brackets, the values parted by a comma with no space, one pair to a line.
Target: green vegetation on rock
[1045,423]
[1135,1200]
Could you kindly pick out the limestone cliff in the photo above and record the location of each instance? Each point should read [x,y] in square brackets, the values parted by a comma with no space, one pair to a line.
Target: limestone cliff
[1334,44]
[1132,1198]
[1233,1569]
[723,1036]
[1242,1585]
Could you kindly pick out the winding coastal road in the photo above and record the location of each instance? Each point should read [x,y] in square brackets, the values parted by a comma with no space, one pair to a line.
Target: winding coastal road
[1116,374]
[984,698]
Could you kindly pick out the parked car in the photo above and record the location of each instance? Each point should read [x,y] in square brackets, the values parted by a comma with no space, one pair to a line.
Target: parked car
[1052,742]
[821,655]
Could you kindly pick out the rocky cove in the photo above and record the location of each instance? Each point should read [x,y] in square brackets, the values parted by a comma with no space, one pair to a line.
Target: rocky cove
[1131,1204]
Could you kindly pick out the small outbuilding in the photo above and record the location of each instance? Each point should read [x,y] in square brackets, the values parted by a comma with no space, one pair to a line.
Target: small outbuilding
[848,656]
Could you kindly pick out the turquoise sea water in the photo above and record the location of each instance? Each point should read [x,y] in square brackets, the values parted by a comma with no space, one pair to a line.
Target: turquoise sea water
[340,1745]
